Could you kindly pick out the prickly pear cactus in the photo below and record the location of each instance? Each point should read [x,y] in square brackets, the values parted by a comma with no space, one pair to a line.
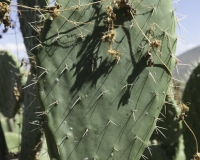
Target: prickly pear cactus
[31,123]
[31,131]
[169,144]
[12,79]
[103,69]
[191,94]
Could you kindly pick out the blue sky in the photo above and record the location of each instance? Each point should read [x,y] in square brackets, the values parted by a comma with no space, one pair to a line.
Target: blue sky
[187,11]
[191,38]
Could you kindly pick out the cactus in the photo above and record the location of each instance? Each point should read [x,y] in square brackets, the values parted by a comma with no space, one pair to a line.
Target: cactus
[191,94]
[12,138]
[169,145]
[12,80]
[30,149]
[103,69]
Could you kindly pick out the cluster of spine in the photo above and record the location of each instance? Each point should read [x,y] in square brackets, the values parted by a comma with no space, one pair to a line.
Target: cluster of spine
[168,144]
[191,97]
[32,134]
[4,14]
[12,79]
[93,104]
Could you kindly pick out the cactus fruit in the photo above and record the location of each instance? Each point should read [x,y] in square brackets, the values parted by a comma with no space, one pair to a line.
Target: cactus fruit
[191,94]
[12,79]
[103,69]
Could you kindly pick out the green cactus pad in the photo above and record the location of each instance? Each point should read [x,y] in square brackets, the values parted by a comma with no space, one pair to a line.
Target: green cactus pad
[191,95]
[31,131]
[170,144]
[32,139]
[13,141]
[12,79]
[102,75]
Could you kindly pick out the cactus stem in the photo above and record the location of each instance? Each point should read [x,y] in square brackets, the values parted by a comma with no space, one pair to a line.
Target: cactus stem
[109,121]
[79,98]
[102,93]
[66,68]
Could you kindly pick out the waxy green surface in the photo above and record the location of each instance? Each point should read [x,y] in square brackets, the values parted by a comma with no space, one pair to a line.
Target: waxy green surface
[89,109]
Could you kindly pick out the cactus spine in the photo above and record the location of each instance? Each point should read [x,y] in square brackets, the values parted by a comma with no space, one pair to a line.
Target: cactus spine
[32,139]
[13,79]
[103,69]
[191,94]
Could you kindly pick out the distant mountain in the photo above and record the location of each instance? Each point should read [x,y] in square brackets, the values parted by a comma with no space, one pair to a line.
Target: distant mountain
[191,58]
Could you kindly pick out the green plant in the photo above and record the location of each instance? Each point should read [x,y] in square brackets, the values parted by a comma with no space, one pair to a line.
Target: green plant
[12,79]
[32,137]
[169,145]
[191,95]
[103,70]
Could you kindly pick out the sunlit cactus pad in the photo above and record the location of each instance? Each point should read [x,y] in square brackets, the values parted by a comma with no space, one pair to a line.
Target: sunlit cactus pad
[103,70]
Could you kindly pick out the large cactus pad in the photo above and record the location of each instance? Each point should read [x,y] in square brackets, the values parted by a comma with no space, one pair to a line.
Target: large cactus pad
[12,79]
[103,71]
